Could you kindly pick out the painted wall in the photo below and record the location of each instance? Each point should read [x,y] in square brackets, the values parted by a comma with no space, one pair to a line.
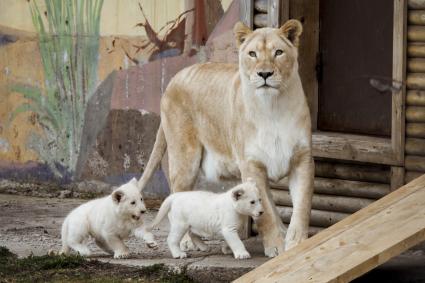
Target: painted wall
[81,81]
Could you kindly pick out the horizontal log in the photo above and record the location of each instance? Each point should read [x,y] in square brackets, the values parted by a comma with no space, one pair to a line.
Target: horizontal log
[414,163]
[416,65]
[415,114]
[411,175]
[415,81]
[416,33]
[415,98]
[324,202]
[416,17]
[261,5]
[416,4]
[260,20]
[312,230]
[416,49]
[354,172]
[339,187]
[415,130]
[415,146]
[318,218]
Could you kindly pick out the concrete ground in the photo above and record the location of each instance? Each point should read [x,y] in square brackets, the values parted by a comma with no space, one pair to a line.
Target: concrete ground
[32,225]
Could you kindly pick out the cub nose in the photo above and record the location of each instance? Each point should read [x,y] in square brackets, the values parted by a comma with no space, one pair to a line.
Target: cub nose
[142,211]
[265,75]
[261,213]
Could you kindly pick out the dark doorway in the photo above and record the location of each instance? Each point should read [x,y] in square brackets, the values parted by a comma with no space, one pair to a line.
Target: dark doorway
[356,39]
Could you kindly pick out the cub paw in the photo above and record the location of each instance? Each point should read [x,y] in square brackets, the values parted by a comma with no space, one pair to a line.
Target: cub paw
[122,255]
[180,255]
[225,249]
[187,245]
[242,255]
[152,245]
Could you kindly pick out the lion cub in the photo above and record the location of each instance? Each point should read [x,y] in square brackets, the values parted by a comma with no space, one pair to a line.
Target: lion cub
[108,220]
[206,214]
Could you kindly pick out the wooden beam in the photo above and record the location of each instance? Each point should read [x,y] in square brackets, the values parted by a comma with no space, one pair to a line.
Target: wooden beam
[397,177]
[339,187]
[416,49]
[415,130]
[416,17]
[357,147]
[416,4]
[260,20]
[415,146]
[324,202]
[415,98]
[318,218]
[415,114]
[261,5]
[354,245]
[415,163]
[246,8]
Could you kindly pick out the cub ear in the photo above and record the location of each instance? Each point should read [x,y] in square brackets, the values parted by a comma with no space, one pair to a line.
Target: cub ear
[117,196]
[241,31]
[292,30]
[133,182]
[237,194]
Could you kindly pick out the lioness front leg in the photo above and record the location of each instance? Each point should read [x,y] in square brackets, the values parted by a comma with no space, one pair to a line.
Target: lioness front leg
[301,188]
[270,226]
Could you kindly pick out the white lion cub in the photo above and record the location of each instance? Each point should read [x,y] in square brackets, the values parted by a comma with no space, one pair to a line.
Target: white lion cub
[206,214]
[108,220]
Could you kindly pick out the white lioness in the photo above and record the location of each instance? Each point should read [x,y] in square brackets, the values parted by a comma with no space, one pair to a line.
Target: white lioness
[206,214]
[108,220]
[248,121]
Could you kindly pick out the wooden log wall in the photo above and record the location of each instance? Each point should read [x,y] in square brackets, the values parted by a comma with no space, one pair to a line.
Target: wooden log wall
[260,13]
[415,97]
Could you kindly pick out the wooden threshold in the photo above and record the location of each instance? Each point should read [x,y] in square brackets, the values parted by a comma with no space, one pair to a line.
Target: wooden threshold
[354,245]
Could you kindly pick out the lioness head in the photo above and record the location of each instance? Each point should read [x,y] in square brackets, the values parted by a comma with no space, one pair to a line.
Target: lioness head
[268,57]
[129,201]
[247,199]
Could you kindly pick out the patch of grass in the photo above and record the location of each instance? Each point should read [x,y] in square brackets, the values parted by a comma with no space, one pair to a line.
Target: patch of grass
[59,268]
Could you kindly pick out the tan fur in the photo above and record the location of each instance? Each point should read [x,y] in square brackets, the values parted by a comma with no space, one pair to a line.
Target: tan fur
[221,118]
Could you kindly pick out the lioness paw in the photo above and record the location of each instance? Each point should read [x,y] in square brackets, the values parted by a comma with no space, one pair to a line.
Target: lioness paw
[271,251]
[294,236]
[242,255]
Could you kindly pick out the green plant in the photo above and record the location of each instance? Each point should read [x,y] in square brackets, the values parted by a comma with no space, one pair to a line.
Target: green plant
[68,34]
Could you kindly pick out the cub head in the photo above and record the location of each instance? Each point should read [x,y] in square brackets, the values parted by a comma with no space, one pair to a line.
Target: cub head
[268,57]
[247,200]
[129,201]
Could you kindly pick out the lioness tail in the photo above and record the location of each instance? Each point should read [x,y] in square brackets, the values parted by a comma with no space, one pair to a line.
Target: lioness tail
[156,156]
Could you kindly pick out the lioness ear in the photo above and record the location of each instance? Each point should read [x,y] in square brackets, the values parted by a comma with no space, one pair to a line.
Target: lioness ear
[241,31]
[133,182]
[117,196]
[236,194]
[292,30]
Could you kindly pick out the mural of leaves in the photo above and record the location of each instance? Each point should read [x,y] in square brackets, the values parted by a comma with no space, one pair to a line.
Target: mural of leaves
[68,32]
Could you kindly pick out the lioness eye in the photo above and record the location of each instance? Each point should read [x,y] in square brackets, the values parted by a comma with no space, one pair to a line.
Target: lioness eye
[252,54]
[259,200]
[141,199]
[252,201]
[133,202]
[278,52]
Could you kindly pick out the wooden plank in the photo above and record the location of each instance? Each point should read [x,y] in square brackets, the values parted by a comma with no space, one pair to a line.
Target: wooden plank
[416,4]
[415,130]
[415,98]
[324,202]
[399,76]
[312,230]
[357,147]
[415,163]
[354,172]
[354,245]
[415,114]
[416,49]
[246,9]
[261,5]
[416,17]
[339,187]
[415,146]
[318,218]
[397,177]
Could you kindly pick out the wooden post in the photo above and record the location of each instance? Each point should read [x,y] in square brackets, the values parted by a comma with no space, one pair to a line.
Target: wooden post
[247,12]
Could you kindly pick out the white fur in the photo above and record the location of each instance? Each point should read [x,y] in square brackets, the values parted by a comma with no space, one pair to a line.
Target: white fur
[205,214]
[108,220]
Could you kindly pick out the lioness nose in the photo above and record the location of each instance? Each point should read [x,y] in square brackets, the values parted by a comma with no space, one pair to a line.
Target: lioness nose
[265,75]
[261,212]
[142,211]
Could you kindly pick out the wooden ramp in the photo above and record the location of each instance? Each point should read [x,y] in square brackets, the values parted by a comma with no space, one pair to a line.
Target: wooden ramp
[354,245]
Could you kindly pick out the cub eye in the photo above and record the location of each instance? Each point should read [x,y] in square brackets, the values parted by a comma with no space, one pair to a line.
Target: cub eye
[252,201]
[259,200]
[141,199]
[133,202]
[278,52]
[252,54]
